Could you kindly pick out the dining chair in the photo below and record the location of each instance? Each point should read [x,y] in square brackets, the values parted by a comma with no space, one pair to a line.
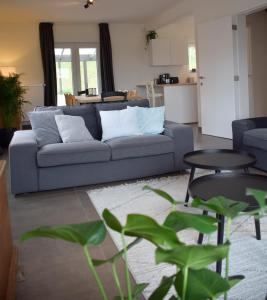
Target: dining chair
[70,99]
[114,96]
[152,96]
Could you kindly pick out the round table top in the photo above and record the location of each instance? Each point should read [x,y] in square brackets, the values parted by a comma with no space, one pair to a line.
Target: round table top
[230,185]
[219,159]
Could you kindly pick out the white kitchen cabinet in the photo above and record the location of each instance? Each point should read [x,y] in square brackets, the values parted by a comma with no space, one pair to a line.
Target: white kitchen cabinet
[178,52]
[165,52]
[160,52]
[181,103]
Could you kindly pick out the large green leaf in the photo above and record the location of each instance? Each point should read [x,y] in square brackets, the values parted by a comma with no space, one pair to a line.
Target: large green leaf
[142,226]
[221,205]
[99,262]
[202,285]
[147,228]
[163,194]
[111,221]
[163,288]
[181,220]
[234,280]
[136,293]
[85,233]
[192,256]
[261,198]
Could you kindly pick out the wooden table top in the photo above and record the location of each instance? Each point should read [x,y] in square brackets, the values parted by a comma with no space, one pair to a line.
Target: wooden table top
[93,99]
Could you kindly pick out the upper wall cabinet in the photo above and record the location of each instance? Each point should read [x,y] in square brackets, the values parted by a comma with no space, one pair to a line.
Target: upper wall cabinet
[165,52]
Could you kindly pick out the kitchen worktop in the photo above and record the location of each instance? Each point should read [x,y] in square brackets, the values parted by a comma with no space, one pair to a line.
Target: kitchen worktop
[175,84]
[170,84]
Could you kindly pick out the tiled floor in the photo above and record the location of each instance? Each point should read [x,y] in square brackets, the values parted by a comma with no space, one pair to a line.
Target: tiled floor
[56,270]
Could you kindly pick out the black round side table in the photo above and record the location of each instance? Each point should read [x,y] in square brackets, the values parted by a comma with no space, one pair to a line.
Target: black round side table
[217,160]
[232,186]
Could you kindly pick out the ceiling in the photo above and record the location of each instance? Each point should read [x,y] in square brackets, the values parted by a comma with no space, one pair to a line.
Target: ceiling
[136,11]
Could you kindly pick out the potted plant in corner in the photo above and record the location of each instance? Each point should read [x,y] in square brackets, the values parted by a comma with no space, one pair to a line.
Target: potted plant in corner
[11,103]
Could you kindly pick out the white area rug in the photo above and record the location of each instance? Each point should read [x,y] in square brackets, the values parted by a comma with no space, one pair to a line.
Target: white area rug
[248,256]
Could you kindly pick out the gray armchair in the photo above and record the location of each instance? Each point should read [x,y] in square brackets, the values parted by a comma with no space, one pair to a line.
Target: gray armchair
[251,135]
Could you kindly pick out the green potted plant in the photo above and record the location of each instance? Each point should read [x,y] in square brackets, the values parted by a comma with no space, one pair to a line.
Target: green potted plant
[151,35]
[11,104]
[192,278]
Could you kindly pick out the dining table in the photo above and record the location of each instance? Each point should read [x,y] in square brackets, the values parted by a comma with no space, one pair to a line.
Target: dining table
[97,99]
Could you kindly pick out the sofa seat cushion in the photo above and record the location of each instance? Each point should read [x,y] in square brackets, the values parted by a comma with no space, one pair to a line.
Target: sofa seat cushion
[256,138]
[140,146]
[73,153]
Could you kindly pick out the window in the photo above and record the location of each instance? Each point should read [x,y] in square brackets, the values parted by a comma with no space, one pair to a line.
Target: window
[192,59]
[77,69]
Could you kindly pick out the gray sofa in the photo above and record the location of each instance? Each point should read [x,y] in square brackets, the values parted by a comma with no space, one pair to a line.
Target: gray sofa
[251,135]
[62,165]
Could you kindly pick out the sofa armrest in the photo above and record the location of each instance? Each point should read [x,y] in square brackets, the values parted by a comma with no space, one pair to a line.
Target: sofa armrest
[23,166]
[239,127]
[182,136]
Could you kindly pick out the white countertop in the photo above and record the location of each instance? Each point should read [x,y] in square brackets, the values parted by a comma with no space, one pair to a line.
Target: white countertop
[168,85]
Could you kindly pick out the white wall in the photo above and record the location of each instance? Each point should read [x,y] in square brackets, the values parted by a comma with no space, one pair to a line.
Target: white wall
[19,48]
[130,59]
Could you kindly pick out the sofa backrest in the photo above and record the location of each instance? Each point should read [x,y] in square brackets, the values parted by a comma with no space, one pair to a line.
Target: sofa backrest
[90,112]
[87,111]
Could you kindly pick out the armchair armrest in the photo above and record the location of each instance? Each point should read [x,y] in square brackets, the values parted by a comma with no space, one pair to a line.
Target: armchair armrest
[182,136]
[239,127]
[23,167]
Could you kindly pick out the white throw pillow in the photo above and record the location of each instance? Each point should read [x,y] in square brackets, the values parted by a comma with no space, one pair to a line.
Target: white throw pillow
[118,123]
[72,129]
[150,119]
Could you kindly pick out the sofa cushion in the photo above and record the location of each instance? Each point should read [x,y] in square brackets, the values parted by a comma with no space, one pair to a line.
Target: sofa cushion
[73,153]
[45,127]
[87,111]
[256,138]
[117,106]
[140,146]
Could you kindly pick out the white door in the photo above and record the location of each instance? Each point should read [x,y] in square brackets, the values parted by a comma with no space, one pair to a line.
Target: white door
[216,72]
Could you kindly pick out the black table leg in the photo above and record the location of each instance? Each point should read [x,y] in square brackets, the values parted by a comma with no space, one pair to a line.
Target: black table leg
[220,240]
[192,174]
[201,235]
[258,228]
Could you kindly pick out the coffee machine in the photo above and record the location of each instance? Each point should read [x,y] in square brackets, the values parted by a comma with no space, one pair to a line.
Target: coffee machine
[166,79]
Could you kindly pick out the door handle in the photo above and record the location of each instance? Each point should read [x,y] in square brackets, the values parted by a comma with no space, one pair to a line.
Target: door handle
[201,77]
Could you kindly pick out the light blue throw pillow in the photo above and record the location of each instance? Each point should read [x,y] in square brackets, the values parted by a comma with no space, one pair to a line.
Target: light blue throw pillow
[118,123]
[44,126]
[150,119]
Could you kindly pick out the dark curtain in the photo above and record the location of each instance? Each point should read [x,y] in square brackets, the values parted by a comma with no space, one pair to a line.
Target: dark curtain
[106,64]
[49,63]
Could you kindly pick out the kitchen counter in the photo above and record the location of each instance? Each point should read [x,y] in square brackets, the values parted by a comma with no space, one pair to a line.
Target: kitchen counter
[175,84]
[169,84]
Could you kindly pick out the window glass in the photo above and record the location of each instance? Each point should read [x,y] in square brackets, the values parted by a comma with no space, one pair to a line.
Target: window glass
[192,57]
[76,69]
[64,73]
[88,69]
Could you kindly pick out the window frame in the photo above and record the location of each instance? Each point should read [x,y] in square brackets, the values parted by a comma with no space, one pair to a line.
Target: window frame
[75,62]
